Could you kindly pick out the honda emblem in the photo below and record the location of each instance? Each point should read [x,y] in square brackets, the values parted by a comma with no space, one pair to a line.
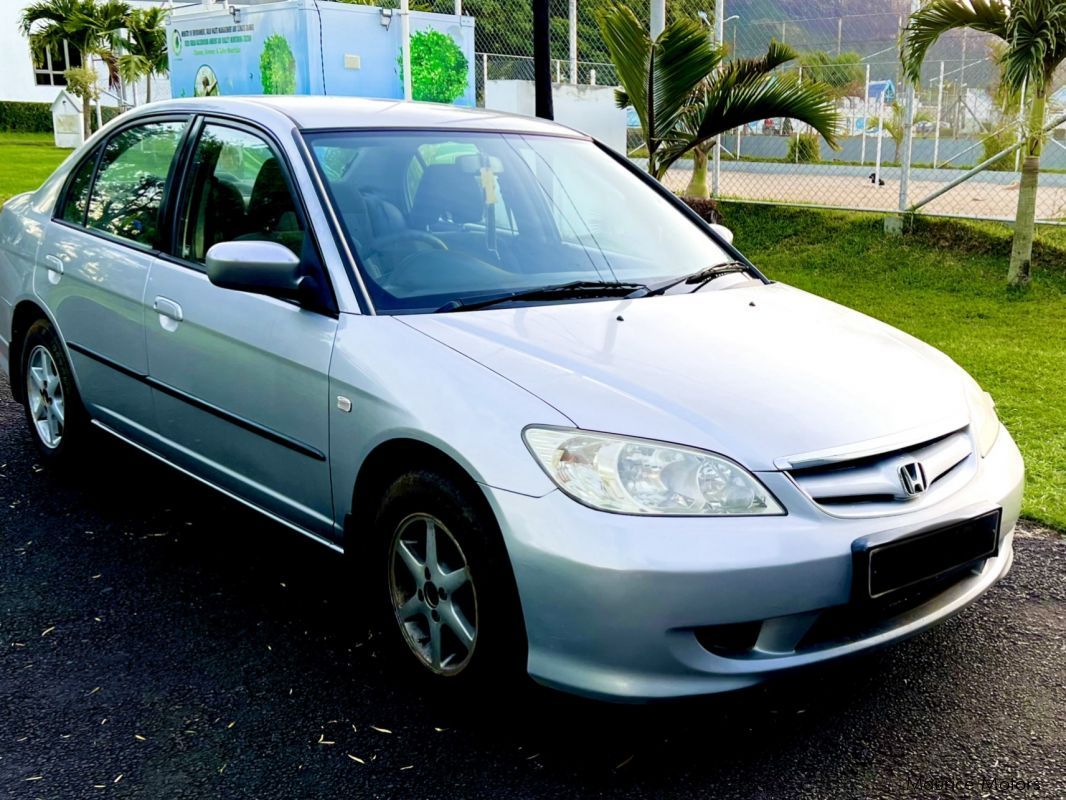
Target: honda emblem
[912,478]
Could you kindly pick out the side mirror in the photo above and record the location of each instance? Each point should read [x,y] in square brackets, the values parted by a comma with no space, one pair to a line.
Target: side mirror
[249,266]
[723,232]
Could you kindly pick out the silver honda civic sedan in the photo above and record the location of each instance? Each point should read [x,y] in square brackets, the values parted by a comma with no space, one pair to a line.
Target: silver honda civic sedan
[559,424]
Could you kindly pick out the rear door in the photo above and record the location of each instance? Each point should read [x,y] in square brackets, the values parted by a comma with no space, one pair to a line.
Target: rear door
[240,380]
[93,266]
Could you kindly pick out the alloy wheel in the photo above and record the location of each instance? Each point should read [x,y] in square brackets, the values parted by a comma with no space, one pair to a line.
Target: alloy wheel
[44,394]
[433,595]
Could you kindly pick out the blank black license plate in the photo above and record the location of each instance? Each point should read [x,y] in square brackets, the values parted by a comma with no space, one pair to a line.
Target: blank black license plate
[899,564]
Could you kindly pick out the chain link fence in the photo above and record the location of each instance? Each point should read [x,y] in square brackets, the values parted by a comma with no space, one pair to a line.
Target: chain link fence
[959,116]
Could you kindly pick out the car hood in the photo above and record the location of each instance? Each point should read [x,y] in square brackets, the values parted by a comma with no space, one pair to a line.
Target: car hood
[766,374]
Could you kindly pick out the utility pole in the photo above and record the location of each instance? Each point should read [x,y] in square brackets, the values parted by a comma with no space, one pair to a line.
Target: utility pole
[840,32]
[542,64]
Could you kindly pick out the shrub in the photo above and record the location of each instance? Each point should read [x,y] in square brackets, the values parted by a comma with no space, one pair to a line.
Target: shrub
[277,66]
[25,117]
[706,208]
[992,143]
[805,148]
[439,70]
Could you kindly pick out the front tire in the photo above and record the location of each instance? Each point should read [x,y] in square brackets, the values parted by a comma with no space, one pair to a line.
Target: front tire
[447,601]
[54,413]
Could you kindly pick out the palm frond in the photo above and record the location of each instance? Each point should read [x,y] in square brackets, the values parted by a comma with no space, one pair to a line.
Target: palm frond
[630,50]
[682,57]
[1036,37]
[929,23]
[727,104]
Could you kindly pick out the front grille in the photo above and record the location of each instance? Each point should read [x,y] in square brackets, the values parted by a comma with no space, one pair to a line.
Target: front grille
[872,484]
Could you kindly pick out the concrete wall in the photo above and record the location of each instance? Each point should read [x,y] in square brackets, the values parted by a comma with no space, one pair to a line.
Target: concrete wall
[590,109]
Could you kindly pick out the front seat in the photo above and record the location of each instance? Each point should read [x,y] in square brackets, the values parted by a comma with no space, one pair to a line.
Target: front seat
[446,199]
[271,212]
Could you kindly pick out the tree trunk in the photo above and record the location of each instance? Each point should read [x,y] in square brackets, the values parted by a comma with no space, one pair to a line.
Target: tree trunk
[148,88]
[697,186]
[87,117]
[1021,254]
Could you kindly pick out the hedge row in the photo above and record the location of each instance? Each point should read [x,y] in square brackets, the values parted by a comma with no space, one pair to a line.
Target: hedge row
[25,117]
[37,117]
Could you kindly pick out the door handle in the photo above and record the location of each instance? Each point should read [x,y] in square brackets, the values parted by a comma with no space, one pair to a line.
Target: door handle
[169,312]
[54,265]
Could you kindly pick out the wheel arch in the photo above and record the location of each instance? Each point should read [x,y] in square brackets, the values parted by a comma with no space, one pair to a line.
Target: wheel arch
[386,462]
[25,314]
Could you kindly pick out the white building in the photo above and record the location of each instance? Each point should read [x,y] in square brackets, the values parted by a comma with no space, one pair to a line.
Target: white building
[26,81]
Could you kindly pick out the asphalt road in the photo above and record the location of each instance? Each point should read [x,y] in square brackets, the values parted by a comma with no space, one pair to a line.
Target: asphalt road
[157,641]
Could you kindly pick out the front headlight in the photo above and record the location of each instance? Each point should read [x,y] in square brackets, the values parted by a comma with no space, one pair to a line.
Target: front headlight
[636,476]
[983,419]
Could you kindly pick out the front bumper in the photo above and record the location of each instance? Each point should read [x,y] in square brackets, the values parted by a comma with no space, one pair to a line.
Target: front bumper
[614,605]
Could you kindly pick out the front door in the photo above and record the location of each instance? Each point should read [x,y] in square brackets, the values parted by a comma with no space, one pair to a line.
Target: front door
[240,380]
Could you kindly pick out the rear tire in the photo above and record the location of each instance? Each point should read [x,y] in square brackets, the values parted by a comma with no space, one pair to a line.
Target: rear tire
[54,412]
[446,599]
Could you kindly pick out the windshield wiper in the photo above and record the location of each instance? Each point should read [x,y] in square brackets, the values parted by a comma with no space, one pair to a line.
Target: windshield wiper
[563,290]
[700,277]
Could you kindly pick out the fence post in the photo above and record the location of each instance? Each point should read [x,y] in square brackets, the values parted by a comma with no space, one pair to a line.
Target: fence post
[908,136]
[405,47]
[573,41]
[865,116]
[658,17]
[719,37]
[939,105]
[484,74]
[880,136]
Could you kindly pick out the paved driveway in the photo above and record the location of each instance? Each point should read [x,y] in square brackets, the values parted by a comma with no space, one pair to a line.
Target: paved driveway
[156,641]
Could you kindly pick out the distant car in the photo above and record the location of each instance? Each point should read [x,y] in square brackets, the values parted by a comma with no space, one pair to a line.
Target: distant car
[560,424]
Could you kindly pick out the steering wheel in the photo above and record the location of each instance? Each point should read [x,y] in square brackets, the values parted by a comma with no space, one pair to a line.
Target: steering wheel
[382,243]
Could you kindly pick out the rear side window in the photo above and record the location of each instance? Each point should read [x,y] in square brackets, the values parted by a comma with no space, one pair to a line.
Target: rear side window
[127,196]
[77,201]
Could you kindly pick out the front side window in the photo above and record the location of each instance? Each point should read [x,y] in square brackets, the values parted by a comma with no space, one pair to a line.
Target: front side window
[438,217]
[127,196]
[237,190]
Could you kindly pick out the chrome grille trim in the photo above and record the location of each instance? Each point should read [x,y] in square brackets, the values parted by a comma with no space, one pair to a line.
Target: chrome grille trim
[871,485]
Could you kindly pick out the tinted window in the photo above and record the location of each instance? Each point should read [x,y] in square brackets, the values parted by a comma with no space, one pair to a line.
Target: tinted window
[237,191]
[442,216]
[128,193]
[78,194]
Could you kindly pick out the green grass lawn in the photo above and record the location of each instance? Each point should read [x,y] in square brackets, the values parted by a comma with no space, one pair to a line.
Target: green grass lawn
[944,282]
[26,159]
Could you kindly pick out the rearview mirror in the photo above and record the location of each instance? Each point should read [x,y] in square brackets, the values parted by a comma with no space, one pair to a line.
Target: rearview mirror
[723,232]
[250,266]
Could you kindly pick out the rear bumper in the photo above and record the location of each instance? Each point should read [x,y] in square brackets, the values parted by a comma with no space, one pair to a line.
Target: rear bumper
[615,605]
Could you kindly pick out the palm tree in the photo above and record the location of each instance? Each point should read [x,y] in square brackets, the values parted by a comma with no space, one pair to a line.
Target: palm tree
[146,47]
[90,27]
[893,125]
[685,93]
[1034,33]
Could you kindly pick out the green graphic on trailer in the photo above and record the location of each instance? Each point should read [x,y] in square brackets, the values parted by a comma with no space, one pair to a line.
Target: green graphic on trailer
[439,70]
[277,66]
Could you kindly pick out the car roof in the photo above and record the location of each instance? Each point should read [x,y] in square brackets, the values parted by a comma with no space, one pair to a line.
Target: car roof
[310,112]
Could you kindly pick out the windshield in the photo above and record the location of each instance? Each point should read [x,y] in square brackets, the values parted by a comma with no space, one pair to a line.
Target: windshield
[440,218]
